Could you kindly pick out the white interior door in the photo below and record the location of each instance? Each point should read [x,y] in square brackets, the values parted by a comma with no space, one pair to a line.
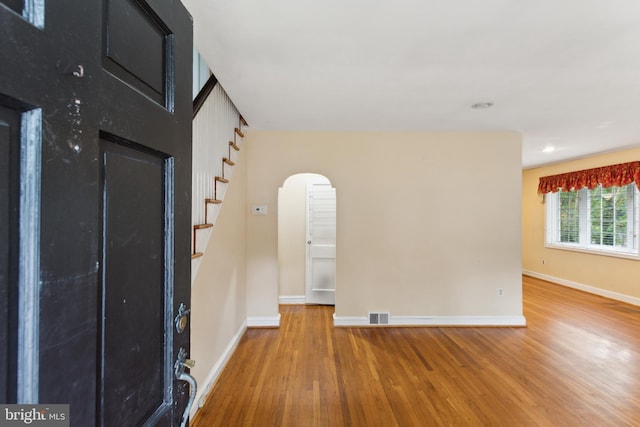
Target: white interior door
[321,244]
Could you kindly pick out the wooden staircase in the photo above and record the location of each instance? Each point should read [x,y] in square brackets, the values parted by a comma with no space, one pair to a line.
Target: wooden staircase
[216,198]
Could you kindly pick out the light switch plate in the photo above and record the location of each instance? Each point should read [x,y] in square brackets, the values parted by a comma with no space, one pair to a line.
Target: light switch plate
[259,209]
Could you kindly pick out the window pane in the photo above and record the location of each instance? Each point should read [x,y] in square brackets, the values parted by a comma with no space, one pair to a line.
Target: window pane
[609,216]
[569,217]
[620,206]
[201,72]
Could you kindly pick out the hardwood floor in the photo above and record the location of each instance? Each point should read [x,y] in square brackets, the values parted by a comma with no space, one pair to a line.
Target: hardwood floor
[577,363]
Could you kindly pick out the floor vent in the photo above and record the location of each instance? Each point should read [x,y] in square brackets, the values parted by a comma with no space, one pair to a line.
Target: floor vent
[378,318]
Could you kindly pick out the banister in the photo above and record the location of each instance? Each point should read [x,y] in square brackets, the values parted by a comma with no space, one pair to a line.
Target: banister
[202,96]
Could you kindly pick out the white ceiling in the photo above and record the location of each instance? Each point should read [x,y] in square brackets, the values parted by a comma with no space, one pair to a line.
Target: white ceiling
[564,73]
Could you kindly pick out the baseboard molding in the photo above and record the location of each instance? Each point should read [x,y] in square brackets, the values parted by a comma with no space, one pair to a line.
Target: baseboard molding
[433,321]
[264,321]
[586,288]
[212,377]
[291,299]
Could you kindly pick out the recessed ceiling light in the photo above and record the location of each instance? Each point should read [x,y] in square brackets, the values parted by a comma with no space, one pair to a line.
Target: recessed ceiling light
[482,105]
[548,149]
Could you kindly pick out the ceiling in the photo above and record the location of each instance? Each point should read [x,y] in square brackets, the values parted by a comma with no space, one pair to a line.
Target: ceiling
[566,74]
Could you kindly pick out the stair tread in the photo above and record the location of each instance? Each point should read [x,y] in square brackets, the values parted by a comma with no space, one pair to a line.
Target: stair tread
[214,201]
[196,255]
[228,161]
[234,146]
[221,179]
[239,132]
[201,226]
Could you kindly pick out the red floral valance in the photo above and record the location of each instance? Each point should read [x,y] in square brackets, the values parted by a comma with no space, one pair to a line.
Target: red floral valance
[608,176]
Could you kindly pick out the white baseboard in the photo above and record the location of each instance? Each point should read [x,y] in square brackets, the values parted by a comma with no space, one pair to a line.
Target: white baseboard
[586,288]
[212,377]
[264,321]
[291,299]
[350,320]
[434,321]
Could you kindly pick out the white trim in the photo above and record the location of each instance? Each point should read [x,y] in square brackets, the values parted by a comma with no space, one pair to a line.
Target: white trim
[350,321]
[291,299]
[434,321]
[264,321]
[583,246]
[591,250]
[209,381]
[586,288]
[29,278]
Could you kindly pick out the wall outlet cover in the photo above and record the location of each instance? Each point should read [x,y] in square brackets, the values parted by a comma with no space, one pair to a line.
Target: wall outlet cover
[259,209]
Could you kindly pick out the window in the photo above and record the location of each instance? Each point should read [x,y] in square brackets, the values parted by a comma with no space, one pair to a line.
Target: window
[201,72]
[602,220]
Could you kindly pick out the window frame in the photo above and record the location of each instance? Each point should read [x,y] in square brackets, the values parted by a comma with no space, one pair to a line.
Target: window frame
[552,226]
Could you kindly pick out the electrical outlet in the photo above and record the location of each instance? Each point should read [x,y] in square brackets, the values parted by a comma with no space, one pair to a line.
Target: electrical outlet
[500,292]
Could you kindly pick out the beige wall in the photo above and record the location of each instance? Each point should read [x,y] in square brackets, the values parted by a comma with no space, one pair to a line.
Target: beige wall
[428,223]
[218,294]
[607,273]
[292,233]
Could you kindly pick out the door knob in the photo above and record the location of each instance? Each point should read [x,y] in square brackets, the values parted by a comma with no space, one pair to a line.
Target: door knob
[179,368]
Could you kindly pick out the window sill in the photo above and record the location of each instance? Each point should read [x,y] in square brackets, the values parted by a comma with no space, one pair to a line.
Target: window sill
[625,255]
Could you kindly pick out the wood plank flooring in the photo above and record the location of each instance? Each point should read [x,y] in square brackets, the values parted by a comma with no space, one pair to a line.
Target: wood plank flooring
[577,363]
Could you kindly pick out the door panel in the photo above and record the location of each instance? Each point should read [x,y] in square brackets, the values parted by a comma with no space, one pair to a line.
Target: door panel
[9,134]
[321,248]
[15,5]
[135,47]
[323,272]
[90,346]
[5,212]
[134,289]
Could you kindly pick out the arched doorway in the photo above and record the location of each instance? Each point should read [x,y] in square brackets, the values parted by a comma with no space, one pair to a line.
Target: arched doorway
[306,240]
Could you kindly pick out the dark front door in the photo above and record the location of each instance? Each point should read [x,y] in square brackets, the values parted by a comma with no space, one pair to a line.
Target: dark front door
[95,177]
